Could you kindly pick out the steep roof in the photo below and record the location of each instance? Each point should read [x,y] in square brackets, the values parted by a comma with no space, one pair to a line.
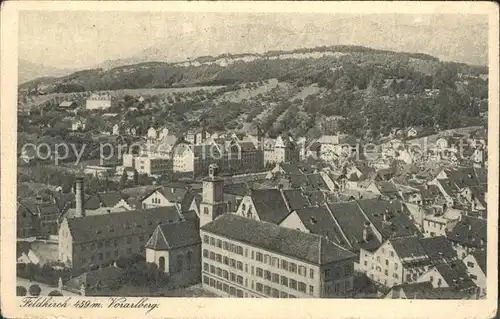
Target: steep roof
[409,250]
[438,248]
[127,223]
[455,274]
[352,221]
[172,194]
[480,256]
[102,278]
[469,232]
[425,290]
[174,235]
[289,242]
[270,205]
[398,224]
[296,199]
[318,220]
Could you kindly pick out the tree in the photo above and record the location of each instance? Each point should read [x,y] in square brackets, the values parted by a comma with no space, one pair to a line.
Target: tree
[55,293]
[35,290]
[136,177]
[21,291]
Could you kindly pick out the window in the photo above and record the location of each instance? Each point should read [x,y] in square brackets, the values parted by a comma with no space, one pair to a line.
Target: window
[275,293]
[225,274]
[232,262]
[474,277]
[246,252]
[302,271]
[311,273]
[205,253]
[225,260]
[311,290]
[232,291]
[212,241]
[276,278]
[219,243]
[212,269]
[267,290]
[293,268]
[284,264]
[259,272]
[218,271]
[252,270]
[239,265]
[378,259]
[302,287]
[267,275]
[239,280]
[239,293]
[206,267]
[252,255]
[218,258]
[470,264]
[266,259]
[180,261]
[259,257]
[365,263]
[293,284]
[189,257]
[387,262]
[327,273]
[396,265]
[439,282]
[392,254]
[395,276]
[225,245]
[386,272]
[205,210]
[205,239]
[212,255]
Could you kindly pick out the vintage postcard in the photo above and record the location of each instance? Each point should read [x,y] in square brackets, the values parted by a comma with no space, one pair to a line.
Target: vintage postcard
[181,159]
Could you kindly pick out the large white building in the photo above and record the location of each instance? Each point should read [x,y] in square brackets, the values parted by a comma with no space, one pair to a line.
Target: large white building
[98,101]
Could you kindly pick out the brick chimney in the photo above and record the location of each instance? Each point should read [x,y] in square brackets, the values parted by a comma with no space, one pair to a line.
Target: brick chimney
[79,211]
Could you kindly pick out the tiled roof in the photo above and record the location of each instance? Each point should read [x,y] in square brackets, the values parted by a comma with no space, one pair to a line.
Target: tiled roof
[425,290]
[318,220]
[352,221]
[102,278]
[173,195]
[386,187]
[398,224]
[455,274]
[239,189]
[469,232]
[290,168]
[438,248]
[295,199]
[480,256]
[409,249]
[127,223]
[289,242]
[270,205]
[174,235]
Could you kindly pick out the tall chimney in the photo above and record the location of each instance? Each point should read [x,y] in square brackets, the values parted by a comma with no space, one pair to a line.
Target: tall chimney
[79,197]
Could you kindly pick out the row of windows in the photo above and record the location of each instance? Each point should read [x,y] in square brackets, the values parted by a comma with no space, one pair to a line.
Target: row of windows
[225,260]
[265,274]
[396,265]
[107,243]
[224,245]
[272,292]
[107,255]
[223,287]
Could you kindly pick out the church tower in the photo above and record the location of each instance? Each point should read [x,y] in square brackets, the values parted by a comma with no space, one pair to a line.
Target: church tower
[212,204]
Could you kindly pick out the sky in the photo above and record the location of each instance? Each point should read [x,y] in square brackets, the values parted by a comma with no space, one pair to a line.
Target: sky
[84,39]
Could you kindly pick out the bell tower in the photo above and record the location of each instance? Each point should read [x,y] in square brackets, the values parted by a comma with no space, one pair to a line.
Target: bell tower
[212,204]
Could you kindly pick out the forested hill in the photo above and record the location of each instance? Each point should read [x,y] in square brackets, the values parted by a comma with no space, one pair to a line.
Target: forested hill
[315,65]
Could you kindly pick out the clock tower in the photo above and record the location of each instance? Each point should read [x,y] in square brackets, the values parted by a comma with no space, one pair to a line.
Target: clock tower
[212,204]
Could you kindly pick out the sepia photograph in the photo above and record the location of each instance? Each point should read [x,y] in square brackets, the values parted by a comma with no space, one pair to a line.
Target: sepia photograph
[243,152]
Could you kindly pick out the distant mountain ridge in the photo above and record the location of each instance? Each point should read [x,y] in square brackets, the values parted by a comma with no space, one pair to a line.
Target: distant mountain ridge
[236,68]
[30,71]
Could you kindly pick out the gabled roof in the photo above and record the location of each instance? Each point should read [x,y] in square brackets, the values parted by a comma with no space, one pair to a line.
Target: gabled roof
[438,248]
[425,290]
[296,199]
[172,194]
[22,247]
[352,221]
[102,278]
[409,249]
[480,256]
[318,220]
[174,235]
[127,223]
[398,224]
[455,274]
[386,187]
[270,205]
[469,231]
[289,242]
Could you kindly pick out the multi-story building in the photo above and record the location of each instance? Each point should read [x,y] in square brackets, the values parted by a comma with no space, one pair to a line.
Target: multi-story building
[468,235]
[99,101]
[101,239]
[402,260]
[242,257]
[281,150]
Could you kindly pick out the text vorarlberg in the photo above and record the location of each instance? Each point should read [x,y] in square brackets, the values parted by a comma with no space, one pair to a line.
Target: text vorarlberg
[113,302]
